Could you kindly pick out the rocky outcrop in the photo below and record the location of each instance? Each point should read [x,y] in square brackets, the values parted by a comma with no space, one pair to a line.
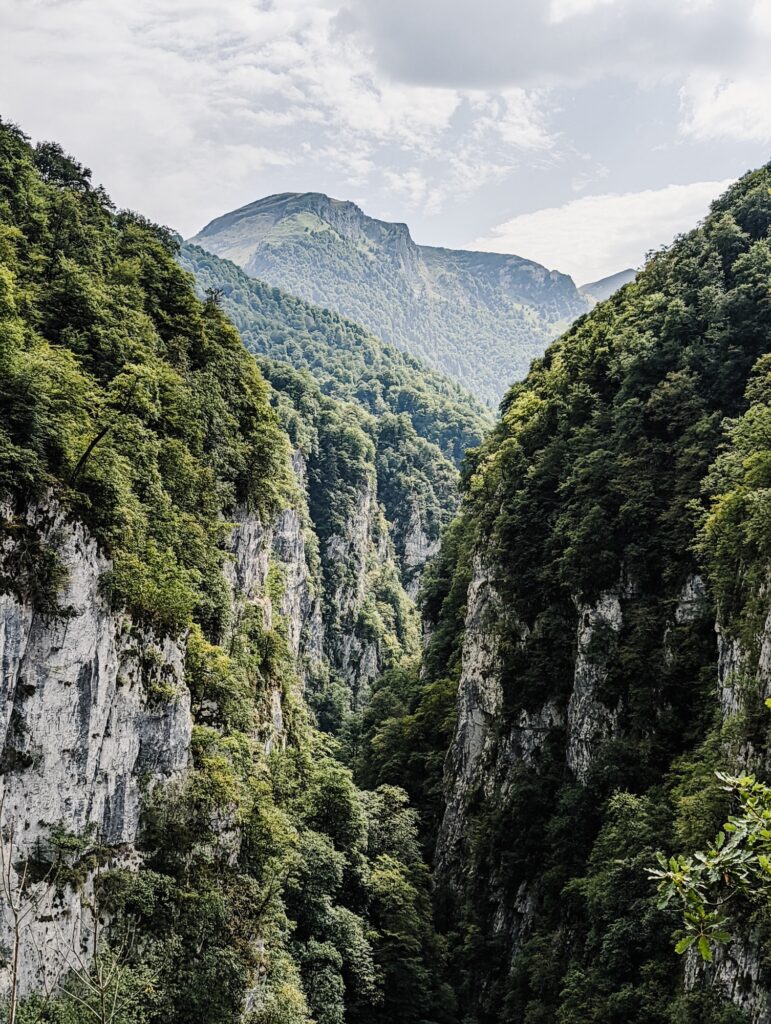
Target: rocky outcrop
[737,973]
[93,709]
[590,722]
[486,753]
[480,700]
[417,548]
[741,672]
[354,558]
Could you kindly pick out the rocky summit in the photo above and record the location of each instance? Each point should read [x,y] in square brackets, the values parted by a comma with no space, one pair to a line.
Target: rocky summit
[480,317]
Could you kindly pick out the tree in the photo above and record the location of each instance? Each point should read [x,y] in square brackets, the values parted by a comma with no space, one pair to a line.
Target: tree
[735,869]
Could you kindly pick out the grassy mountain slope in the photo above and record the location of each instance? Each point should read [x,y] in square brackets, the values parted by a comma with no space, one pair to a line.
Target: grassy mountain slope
[594,518]
[479,317]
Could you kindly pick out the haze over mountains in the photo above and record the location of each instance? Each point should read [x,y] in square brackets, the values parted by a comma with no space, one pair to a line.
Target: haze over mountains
[479,317]
[598,291]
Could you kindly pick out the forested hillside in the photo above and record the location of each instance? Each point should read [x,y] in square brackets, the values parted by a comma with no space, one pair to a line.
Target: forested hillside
[346,361]
[479,317]
[238,785]
[418,422]
[191,558]
[599,634]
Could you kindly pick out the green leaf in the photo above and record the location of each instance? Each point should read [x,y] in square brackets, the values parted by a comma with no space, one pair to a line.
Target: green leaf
[685,943]
[706,952]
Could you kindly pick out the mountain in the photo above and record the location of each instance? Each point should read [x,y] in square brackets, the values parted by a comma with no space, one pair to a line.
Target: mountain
[478,317]
[598,291]
[599,627]
[239,784]
[347,361]
[419,422]
[198,573]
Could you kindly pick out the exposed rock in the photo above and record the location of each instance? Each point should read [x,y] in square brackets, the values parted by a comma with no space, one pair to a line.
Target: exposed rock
[692,602]
[743,673]
[92,709]
[737,972]
[590,722]
[418,548]
[479,705]
[350,557]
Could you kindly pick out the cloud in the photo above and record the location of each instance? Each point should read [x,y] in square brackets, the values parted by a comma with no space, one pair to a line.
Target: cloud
[717,108]
[183,108]
[492,43]
[419,108]
[595,236]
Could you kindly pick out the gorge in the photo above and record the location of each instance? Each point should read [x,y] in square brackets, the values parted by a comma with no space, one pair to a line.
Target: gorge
[326,696]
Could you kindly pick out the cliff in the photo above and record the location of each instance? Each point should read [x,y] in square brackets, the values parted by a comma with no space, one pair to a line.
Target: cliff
[597,649]
[197,576]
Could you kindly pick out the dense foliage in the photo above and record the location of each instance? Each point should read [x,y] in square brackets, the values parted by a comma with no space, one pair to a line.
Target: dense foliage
[346,361]
[631,466]
[271,889]
[478,317]
[604,481]
[120,386]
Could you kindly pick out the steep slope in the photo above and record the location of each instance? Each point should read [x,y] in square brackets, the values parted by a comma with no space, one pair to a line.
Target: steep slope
[574,669]
[479,317]
[178,841]
[416,420]
[346,361]
[598,291]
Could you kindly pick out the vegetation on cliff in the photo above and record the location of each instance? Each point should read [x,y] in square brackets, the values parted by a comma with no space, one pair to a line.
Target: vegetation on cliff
[606,479]
[270,889]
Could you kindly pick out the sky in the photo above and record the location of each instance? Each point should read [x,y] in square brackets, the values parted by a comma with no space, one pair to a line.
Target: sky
[579,133]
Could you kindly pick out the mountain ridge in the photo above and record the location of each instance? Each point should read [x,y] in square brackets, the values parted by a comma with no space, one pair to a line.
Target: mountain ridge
[604,287]
[480,317]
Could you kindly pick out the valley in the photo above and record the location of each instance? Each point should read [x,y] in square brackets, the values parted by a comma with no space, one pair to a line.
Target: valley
[329,696]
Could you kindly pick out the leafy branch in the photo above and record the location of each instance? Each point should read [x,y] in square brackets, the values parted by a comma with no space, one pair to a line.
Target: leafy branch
[737,864]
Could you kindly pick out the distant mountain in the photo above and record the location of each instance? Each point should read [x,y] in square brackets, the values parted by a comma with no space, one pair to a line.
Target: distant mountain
[479,317]
[598,291]
[347,362]
[324,369]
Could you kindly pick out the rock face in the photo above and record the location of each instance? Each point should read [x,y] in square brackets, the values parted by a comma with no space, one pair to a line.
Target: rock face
[590,722]
[494,741]
[738,970]
[92,709]
[483,755]
[417,549]
[479,704]
[737,973]
[356,560]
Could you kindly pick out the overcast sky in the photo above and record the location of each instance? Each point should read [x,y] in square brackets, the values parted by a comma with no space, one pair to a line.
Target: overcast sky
[579,133]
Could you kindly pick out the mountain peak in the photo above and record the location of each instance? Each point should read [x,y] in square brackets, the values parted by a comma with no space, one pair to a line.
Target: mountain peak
[479,317]
[597,291]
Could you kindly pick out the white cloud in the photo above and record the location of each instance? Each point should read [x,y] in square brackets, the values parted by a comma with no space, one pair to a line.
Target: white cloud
[187,108]
[182,107]
[718,108]
[595,236]
[494,44]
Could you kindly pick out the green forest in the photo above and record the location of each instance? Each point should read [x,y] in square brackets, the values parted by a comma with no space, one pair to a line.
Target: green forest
[539,790]
[271,888]
[631,461]
[346,361]
[479,318]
